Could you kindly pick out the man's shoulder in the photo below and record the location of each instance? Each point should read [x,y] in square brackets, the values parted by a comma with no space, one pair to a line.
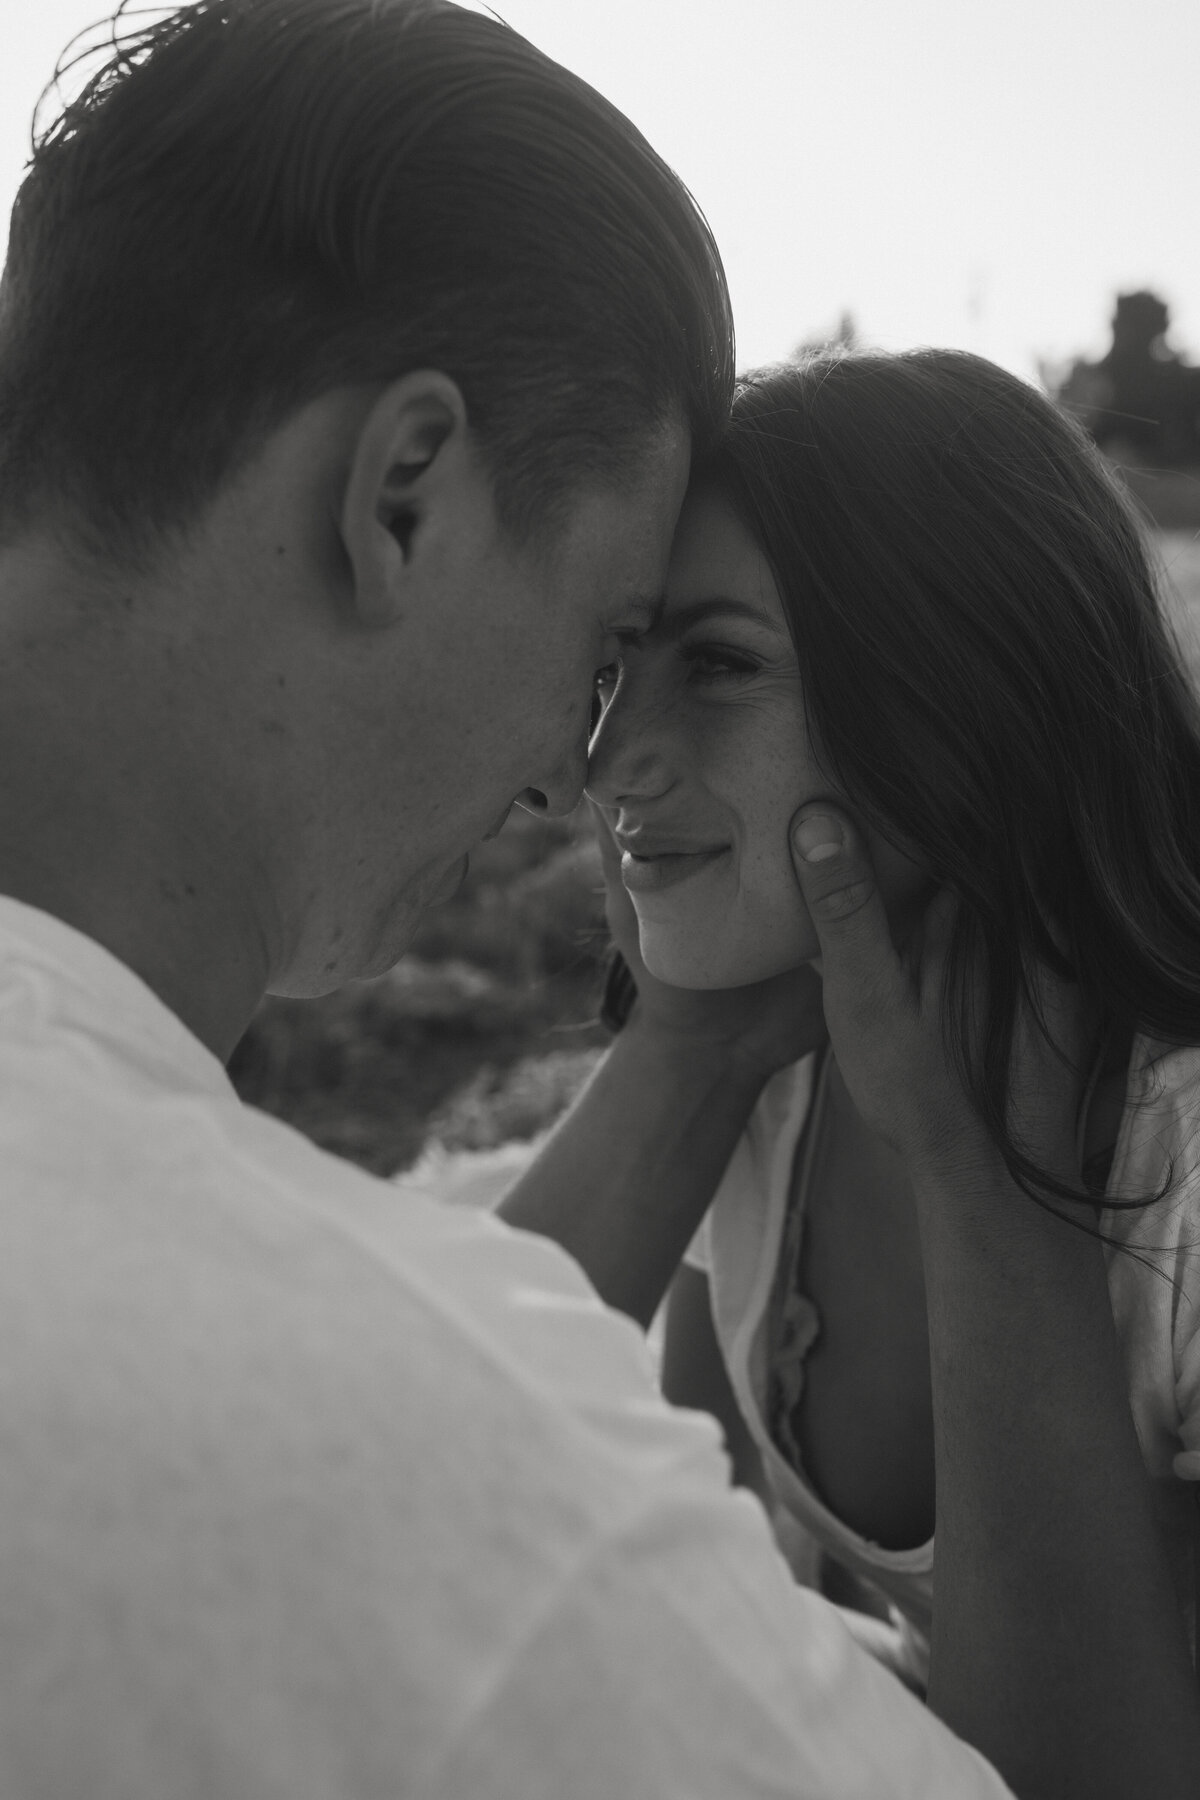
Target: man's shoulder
[193,1239]
[332,1480]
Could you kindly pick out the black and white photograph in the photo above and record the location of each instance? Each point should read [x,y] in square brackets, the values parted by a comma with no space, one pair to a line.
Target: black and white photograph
[599,900]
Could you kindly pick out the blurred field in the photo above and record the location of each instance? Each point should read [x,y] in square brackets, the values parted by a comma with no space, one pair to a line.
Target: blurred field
[486,1030]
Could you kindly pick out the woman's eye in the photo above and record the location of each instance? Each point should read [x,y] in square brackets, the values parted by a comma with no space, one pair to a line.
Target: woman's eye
[717,662]
[608,676]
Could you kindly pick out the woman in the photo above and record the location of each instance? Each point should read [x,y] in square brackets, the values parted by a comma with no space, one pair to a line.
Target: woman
[908,608]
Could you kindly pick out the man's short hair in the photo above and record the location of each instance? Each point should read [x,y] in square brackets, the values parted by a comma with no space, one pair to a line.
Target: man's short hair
[255,201]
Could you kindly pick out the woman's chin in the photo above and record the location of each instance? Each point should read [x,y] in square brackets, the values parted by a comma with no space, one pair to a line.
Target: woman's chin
[685,967]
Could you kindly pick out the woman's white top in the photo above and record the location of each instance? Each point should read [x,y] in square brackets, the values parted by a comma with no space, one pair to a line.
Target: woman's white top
[1156,1308]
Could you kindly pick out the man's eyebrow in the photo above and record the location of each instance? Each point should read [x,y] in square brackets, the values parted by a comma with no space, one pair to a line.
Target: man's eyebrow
[695,612]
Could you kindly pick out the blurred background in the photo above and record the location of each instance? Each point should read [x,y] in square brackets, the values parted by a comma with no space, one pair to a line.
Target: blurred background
[1012,180]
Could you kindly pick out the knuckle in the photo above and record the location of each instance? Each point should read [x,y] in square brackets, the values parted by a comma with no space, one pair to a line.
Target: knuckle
[843,901]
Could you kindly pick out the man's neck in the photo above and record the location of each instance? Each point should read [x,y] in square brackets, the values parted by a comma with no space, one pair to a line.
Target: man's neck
[112,816]
[170,938]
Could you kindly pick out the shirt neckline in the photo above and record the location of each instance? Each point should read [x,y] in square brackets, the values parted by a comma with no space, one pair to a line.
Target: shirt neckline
[107,994]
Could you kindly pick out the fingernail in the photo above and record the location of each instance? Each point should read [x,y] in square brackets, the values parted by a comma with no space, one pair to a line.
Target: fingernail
[818,836]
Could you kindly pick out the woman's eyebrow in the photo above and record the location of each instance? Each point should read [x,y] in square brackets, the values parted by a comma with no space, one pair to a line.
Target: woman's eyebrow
[677,619]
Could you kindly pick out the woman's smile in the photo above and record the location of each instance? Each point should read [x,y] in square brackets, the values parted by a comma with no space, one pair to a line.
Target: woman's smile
[700,758]
[647,872]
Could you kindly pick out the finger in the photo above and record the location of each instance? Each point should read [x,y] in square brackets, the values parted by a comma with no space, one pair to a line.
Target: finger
[610,855]
[618,907]
[936,931]
[859,965]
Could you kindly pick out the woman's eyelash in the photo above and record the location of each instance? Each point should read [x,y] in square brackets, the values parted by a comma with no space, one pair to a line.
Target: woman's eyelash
[706,662]
[712,662]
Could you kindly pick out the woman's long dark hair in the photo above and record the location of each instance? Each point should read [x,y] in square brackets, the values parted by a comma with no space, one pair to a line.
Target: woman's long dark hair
[989,677]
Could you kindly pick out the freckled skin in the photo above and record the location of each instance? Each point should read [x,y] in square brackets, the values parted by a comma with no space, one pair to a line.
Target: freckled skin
[704,742]
[487,700]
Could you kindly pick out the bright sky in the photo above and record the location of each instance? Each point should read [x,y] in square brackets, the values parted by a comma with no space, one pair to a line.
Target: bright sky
[987,173]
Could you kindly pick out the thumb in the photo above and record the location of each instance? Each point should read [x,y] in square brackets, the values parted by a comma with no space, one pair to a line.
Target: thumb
[858,960]
[618,907]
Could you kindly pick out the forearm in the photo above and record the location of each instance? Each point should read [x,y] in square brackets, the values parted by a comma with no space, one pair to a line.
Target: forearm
[1058,1646]
[628,1174]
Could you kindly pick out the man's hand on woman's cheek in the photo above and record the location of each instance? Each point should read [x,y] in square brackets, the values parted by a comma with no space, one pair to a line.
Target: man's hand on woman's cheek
[883,1007]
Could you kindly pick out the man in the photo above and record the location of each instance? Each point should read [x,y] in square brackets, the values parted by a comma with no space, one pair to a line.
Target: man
[353,356]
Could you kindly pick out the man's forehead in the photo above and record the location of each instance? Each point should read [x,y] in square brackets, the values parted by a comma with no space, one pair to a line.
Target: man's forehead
[667,465]
[642,612]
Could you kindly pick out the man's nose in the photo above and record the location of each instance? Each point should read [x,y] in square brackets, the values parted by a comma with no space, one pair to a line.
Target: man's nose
[563,791]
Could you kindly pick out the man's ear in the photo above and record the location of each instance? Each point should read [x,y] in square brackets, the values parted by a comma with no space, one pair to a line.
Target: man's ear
[409,451]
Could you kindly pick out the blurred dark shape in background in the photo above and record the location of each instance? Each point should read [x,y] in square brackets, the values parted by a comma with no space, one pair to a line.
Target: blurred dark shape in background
[1141,403]
[479,1036]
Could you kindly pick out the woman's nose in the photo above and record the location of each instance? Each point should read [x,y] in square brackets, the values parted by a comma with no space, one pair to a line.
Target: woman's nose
[629,755]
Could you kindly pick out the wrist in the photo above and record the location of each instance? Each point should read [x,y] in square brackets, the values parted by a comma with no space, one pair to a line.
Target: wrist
[974,1215]
[968,1158]
[707,1061]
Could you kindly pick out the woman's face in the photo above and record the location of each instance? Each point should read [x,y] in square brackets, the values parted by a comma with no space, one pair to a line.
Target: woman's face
[701,758]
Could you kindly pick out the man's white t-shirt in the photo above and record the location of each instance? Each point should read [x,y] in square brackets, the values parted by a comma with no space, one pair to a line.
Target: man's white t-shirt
[311,1489]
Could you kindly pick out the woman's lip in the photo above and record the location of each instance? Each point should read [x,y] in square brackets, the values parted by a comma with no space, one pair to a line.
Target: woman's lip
[648,874]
